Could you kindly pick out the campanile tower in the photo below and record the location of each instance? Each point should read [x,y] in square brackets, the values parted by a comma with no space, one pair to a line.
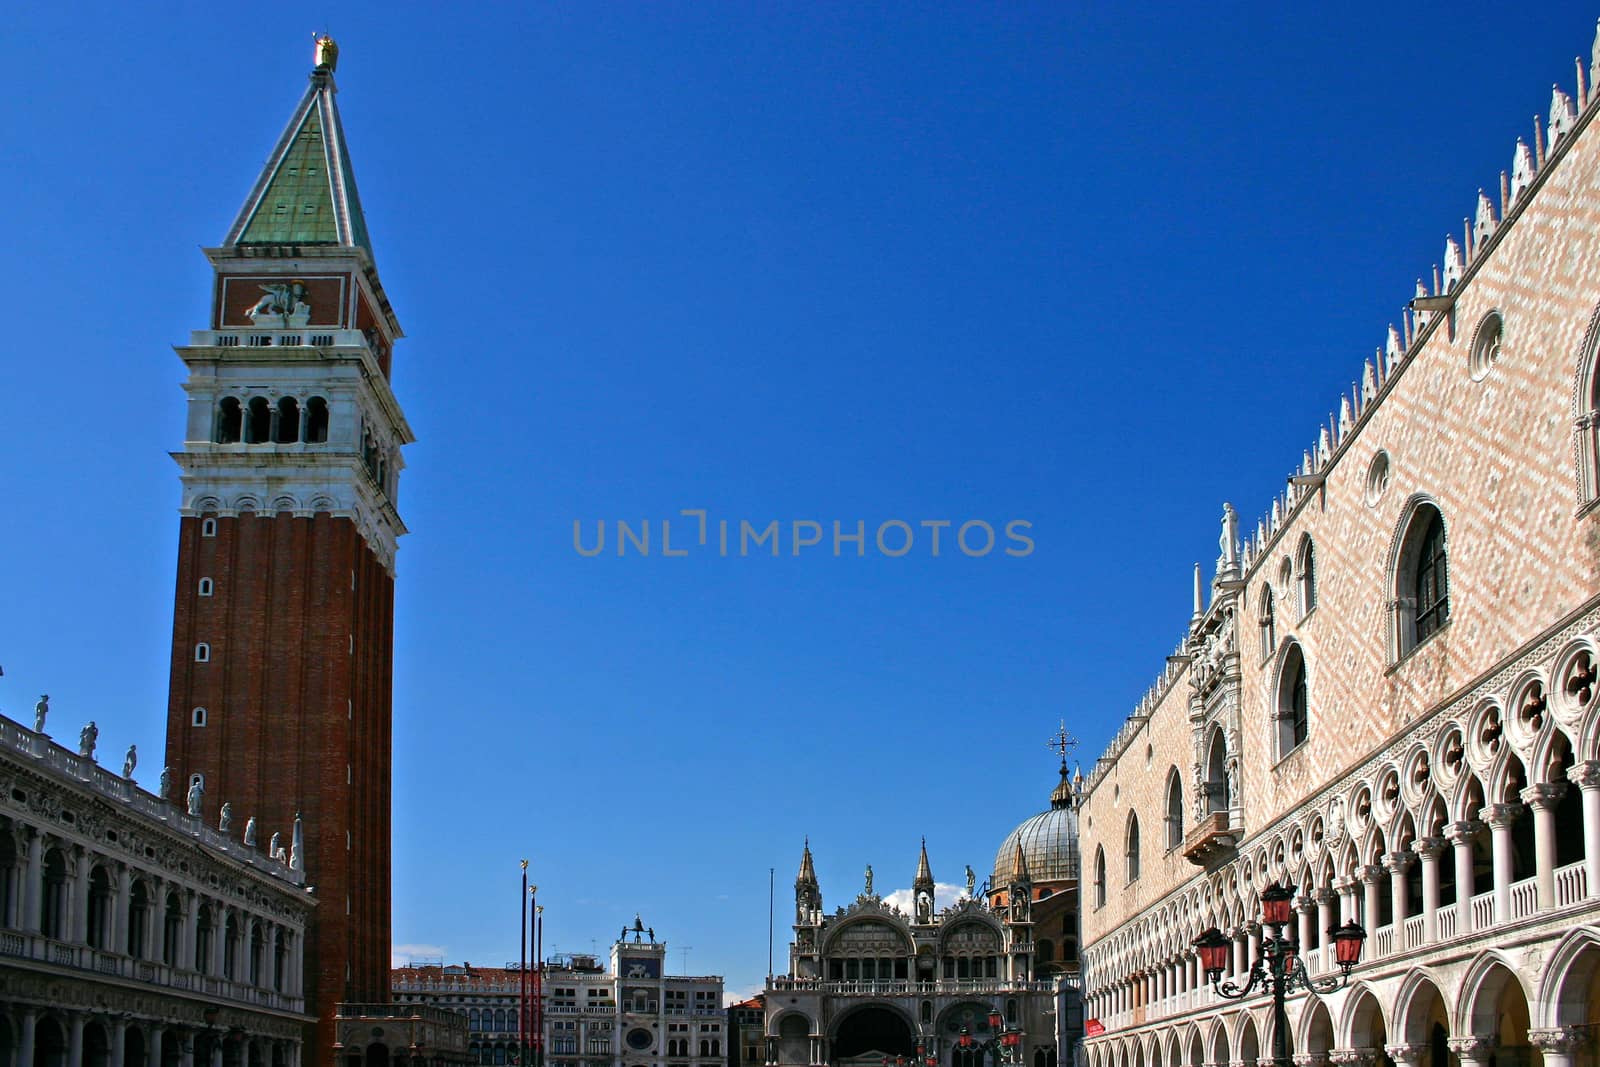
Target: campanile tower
[284,620]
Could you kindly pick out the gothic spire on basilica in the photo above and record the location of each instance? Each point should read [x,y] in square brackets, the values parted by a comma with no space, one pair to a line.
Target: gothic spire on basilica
[924,879]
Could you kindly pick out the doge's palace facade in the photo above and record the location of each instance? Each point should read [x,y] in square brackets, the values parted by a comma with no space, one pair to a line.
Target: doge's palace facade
[1386,695]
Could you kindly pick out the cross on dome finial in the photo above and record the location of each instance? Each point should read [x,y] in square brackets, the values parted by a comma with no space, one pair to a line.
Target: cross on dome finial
[1063,742]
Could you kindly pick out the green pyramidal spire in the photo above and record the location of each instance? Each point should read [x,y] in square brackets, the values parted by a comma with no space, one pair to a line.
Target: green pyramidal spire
[306,194]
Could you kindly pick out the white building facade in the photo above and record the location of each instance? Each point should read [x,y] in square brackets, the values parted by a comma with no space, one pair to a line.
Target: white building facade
[130,932]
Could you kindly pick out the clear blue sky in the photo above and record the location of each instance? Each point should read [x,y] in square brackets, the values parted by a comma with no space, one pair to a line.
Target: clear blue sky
[1095,268]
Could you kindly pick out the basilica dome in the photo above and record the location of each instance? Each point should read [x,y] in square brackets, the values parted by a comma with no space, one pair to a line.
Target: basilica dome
[1049,840]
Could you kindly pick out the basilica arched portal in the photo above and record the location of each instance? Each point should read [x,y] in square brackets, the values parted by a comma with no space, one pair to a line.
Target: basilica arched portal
[865,1035]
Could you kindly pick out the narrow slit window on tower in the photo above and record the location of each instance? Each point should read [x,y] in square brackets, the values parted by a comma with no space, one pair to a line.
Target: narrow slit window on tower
[206,587]
[197,717]
[208,527]
[202,653]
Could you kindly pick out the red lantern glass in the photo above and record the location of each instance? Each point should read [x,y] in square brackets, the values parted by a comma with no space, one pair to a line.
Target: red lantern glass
[1347,940]
[965,1041]
[1213,949]
[920,1050]
[1275,904]
[994,1020]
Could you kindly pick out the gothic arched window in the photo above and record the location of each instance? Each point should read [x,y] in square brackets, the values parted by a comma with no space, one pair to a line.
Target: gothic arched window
[1421,579]
[1174,808]
[1217,798]
[1306,574]
[1099,877]
[316,420]
[1269,623]
[1132,851]
[1292,711]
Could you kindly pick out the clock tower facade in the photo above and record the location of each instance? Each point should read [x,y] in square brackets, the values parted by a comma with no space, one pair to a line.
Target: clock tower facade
[283,626]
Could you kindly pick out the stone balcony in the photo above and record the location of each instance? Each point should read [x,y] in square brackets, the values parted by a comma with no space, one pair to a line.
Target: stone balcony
[1213,838]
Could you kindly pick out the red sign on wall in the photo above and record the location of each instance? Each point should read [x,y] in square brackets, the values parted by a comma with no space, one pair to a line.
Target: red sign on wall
[1093,1028]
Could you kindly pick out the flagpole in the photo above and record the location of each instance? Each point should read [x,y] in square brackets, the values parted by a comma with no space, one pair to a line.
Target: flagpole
[522,975]
[538,983]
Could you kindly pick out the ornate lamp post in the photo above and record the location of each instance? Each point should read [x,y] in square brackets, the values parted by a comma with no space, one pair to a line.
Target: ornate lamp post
[1006,1047]
[1280,967]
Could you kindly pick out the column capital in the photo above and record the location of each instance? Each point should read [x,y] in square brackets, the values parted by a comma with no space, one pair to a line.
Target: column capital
[1305,905]
[1398,862]
[1501,816]
[1429,847]
[1352,1057]
[1251,928]
[1463,832]
[1371,874]
[1544,795]
[1409,1055]
[1310,1059]
[1473,1046]
[1585,775]
[1561,1039]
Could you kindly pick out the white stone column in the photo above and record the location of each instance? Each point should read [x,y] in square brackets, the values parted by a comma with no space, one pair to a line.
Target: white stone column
[191,929]
[119,1042]
[78,897]
[1348,909]
[1252,933]
[29,1020]
[1543,798]
[1461,835]
[75,1039]
[1586,776]
[153,1039]
[1500,818]
[121,920]
[1325,898]
[1398,864]
[219,940]
[1304,909]
[1239,958]
[1370,876]
[33,891]
[1429,849]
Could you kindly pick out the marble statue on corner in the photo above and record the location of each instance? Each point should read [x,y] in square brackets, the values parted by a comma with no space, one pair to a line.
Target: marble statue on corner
[275,847]
[225,819]
[130,761]
[41,711]
[1229,541]
[972,880]
[164,785]
[87,738]
[197,796]
[250,831]
[869,881]
[282,304]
